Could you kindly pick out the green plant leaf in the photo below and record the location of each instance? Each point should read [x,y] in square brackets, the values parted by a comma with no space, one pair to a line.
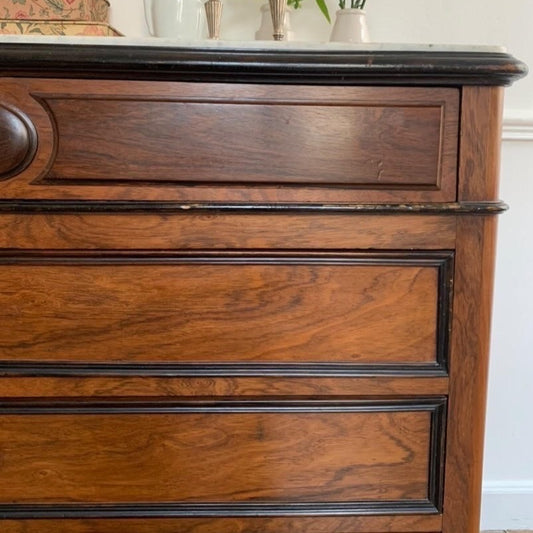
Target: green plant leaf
[296,4]
[324,8]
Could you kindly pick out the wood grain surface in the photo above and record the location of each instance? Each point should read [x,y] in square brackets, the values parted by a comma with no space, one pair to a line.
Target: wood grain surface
[221,457]
[98,140]
[145,231]
[318,524]
[234,142]
[82,309]
[469,373]
[479,162]
[111,289]
[219,386]
[475,254]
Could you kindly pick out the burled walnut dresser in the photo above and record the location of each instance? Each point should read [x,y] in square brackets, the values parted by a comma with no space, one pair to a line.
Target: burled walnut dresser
[245,291]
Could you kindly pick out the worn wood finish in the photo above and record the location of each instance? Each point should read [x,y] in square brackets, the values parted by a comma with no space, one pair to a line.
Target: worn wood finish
[318,67]
[146,231]
[219,309]
[220,386]
[361,524]
[224,453]
[38,206]
[359,155]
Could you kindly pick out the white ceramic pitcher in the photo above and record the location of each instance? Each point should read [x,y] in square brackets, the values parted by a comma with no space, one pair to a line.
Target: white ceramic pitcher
[350,27]
[176,19]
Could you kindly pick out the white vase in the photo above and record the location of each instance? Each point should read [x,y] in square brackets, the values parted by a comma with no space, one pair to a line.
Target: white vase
[350,27]
[175,19]
[266,30]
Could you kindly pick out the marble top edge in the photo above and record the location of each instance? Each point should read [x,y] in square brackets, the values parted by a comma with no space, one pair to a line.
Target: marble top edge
[251,45]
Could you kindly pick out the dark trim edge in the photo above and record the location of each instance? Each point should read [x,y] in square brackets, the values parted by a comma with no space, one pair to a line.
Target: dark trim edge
[129,406]
[116,207]
[177,510]
[445,310]
[437,455]
[234,65]
[248,370]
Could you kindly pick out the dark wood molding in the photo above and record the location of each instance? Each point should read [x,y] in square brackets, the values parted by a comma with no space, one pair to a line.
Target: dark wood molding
[178,510]
[97,206]
[274,370]
[255,257]
[89,406]
[445,312]
[434,405]
[260,66]
[438,454]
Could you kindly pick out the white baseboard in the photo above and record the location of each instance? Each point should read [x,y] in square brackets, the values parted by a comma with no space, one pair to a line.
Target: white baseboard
[518,126]
[507,505]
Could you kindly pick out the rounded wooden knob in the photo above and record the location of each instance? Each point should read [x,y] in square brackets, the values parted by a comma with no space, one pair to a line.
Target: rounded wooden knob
[18,143]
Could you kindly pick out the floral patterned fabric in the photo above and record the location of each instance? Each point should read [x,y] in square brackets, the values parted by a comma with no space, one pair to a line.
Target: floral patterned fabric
[48,27]
[89,10]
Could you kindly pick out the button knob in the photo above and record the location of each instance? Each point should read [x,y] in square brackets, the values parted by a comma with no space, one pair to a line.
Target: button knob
[18,143]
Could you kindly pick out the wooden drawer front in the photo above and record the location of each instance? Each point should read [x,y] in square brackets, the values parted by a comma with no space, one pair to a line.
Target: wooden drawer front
[254,142]
[243,142]
[202,459]
[352,309]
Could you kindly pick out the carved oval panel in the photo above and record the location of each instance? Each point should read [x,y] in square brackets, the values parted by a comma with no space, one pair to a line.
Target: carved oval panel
[18,143]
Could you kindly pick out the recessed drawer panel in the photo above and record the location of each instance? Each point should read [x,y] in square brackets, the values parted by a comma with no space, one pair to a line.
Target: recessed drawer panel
[242,142]
[356,309]
[213,459]
[255,143]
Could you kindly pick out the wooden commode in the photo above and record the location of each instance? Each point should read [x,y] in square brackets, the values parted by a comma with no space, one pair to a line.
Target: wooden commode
[245,291]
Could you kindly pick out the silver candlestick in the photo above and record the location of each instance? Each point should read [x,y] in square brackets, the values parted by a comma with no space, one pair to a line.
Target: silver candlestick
[213,11]
[277,10]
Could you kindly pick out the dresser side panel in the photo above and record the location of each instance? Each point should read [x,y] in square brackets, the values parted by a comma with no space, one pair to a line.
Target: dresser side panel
[468,373]
[480,144]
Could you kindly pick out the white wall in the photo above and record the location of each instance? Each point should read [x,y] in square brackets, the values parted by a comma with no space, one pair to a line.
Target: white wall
[508,477]
[508,473]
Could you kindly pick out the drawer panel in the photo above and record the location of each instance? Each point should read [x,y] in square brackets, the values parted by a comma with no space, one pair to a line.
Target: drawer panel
[242,142]
[202,459]
[254,143]
[219,308]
